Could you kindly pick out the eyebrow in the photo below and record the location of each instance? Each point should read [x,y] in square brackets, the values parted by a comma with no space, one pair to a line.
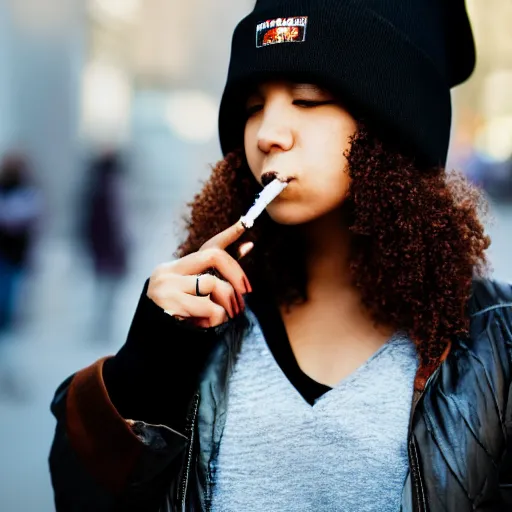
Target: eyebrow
[309,87]
[295,87]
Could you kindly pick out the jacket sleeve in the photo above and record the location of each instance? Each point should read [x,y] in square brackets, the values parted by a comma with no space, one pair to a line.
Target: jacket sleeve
[120,433]
[497,297]
[506,466]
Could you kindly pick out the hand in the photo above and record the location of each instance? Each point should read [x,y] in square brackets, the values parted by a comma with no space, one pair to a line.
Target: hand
[172,286]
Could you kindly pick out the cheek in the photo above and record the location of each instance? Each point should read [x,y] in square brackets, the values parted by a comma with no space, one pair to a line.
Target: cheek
[328,152]
[331,184]
[250,147]
[332,189]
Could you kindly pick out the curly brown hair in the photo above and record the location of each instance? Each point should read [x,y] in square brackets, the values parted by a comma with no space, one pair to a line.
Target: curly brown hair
[417,242]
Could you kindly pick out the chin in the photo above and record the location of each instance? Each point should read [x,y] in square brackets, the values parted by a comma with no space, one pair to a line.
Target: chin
[286,221]
[290,216]
[294,214]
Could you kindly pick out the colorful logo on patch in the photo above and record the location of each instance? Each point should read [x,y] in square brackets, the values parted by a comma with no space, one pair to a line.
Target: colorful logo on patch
[281,30]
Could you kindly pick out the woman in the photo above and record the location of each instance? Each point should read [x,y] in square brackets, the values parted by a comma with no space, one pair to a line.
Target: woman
[370,367]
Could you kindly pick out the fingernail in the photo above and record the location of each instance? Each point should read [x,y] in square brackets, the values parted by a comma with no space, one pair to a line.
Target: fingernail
[235,306]
[241,302]
[248,286]
[245,249]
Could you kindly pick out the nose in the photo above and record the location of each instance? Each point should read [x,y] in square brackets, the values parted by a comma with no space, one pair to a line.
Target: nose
[275,131]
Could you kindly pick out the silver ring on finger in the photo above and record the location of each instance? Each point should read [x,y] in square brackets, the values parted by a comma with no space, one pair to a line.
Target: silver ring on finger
[198,293]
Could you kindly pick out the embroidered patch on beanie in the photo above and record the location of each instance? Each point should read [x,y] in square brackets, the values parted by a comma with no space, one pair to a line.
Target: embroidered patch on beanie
[281,30]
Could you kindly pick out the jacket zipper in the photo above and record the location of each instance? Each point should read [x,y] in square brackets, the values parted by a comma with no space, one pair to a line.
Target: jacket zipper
[421,502]
[416,478]
[186,473]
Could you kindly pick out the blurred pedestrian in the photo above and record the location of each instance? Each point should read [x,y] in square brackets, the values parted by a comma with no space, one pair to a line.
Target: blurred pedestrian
[20,209]
[104,235]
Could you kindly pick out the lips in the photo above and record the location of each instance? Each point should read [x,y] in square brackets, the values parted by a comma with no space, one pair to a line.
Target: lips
[270,176]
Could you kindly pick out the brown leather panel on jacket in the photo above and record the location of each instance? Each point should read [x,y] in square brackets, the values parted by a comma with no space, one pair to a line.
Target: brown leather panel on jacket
[424,372]
[100,436]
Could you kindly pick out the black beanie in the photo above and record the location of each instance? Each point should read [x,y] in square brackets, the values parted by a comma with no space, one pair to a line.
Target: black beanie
[391,61]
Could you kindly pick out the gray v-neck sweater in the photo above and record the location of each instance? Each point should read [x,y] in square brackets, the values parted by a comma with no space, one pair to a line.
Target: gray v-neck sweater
[347,452]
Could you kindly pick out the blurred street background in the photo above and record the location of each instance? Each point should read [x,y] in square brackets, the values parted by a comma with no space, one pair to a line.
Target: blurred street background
[108,124]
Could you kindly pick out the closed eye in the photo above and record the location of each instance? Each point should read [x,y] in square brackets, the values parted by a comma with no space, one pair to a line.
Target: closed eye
[311,103]
[250,111]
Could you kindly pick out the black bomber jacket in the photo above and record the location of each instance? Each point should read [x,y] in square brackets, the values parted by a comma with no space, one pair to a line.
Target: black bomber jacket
[131,439]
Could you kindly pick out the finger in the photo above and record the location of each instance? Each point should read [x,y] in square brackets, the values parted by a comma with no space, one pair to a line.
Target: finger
[213,321]
[226,237]
[245,249]
[225,296]
[190,284]
[203,323]
[199,262]
[219,291]
[189,306]
[218,315]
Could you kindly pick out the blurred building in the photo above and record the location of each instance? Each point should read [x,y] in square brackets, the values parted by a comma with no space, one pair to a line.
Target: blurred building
[41,54]
[152,82]
[483,105]
[78,75]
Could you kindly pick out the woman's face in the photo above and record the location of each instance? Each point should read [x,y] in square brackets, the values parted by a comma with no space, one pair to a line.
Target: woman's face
[299,131]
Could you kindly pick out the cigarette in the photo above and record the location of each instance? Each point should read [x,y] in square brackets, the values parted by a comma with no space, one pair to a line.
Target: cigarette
[263,199]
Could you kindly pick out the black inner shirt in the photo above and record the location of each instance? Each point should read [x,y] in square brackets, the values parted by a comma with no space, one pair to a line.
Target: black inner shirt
[274,332]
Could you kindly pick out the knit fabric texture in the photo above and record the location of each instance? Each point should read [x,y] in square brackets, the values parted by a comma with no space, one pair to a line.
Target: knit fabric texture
[346,452]
[391,62]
